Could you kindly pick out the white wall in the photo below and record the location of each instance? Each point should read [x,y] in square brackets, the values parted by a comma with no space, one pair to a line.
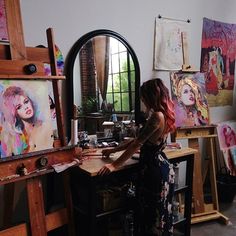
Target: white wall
[134,19]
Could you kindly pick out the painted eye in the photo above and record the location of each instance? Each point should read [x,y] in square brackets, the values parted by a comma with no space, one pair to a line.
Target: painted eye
[26,101]
[18,107]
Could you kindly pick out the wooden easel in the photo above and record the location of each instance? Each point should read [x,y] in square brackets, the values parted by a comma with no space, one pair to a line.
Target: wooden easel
[13,60]
[201,211]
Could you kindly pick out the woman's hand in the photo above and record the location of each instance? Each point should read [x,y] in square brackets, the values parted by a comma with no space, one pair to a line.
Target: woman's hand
[106,153]
[106,169]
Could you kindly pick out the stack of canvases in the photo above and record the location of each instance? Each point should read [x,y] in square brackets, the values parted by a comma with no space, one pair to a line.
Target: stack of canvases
[226,179]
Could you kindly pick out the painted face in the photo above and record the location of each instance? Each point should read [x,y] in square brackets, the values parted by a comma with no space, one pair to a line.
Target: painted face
[24,107]
[187,95]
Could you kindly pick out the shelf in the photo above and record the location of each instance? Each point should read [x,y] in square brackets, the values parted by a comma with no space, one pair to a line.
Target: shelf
[36,77]
[100,214]
[181,189]
[107,213]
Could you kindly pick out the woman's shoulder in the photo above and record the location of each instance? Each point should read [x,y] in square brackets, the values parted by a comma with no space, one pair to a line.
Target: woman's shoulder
[157,115]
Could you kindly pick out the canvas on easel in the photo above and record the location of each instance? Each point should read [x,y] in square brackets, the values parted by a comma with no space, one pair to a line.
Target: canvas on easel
[189,97]
[226,131]
[25,117]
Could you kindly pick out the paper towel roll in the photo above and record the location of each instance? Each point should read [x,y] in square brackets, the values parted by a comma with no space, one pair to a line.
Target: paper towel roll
[74,131]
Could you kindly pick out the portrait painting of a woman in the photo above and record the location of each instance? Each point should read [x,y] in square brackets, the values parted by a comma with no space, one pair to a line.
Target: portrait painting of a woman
[24,117]
[189,97]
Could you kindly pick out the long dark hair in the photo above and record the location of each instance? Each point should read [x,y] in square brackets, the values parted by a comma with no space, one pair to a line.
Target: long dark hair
[156,97]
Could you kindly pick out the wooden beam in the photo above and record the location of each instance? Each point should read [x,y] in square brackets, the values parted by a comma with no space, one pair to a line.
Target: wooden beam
[19,230]
[56,219]
[15,30]
[56,88]
[36,207]
[198,197]
[16,67]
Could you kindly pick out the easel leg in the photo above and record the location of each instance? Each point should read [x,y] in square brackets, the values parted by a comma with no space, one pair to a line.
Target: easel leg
[198,199]
[213,174]
[36,207]
[69,206]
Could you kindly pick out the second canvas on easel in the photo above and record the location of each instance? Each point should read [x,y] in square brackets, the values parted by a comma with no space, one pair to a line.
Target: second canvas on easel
[25,124]
[189,97]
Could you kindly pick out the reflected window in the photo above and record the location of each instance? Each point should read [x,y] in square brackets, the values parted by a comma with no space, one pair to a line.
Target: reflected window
[121,78]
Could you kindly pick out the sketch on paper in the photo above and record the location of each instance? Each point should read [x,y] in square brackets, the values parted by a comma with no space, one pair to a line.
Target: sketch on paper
[25,124]
[168,52]
[189,97]
[218,61]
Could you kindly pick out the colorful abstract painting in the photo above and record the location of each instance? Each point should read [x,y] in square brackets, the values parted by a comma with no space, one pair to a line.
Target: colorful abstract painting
[168,52]
[189,97]
[226,134]
[25,124]
[3,22]
[60,63]
[218,61]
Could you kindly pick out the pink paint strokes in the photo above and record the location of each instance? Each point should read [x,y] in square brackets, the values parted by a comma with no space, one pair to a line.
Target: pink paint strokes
[25,122]
[3,22]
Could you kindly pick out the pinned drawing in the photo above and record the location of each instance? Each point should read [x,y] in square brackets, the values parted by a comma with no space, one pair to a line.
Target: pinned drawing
[189,97]
[168,52]
[25,124]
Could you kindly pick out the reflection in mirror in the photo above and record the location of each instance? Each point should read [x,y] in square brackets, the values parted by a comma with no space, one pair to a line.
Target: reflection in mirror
[104,79]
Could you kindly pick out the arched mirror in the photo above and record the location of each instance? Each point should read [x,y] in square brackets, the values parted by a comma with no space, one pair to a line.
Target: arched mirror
[103,78]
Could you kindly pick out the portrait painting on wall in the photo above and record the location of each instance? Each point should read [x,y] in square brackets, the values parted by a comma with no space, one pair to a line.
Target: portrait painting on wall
[218,61]
[189,97]
[25,121]
[168,51]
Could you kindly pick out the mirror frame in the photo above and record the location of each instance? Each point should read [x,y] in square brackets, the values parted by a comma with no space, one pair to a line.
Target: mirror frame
[69,68]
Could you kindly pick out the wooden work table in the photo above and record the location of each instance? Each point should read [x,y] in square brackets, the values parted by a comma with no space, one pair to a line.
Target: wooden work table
[87,175]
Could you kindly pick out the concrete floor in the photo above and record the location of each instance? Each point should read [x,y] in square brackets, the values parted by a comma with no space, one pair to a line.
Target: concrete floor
[216,227]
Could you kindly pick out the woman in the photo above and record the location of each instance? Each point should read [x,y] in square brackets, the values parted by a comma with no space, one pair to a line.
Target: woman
[21,126]
[190,105]
[156,178]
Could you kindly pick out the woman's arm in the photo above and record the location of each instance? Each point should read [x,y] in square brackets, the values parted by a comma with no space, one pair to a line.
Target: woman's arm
[122,146]
[131,149]
[153,124]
